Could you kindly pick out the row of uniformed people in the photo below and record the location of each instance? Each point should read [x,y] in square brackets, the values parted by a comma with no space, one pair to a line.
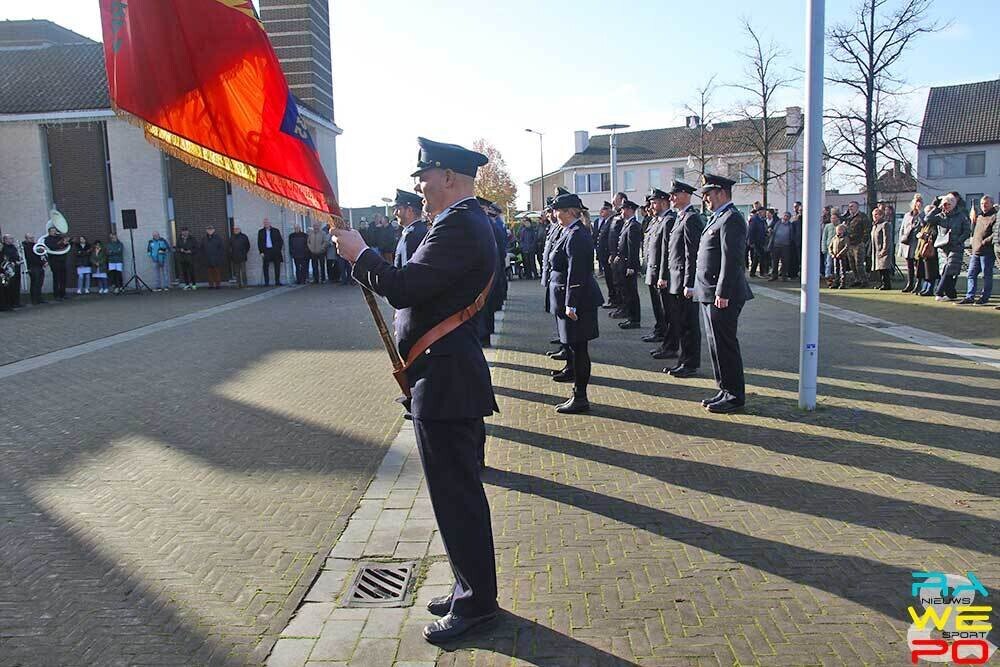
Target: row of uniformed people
[693,271]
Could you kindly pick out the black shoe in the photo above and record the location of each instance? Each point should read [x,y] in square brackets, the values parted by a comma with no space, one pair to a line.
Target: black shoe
[618,314]
[575,405]
[980,302]
[558,356]
[565,375]
[715,399]
[772,279]
[555,341]
[652,338]
[561,370]
[683,372]
[440,606]
[725,406]
[965,302]
[663,354]
[452,626]
[629,324]
[906,290]
[608,305]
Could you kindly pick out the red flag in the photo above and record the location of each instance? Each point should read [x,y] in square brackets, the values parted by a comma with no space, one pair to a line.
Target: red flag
[201,78]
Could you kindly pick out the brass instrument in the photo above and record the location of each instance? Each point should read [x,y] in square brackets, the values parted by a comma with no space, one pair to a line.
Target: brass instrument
[57,220]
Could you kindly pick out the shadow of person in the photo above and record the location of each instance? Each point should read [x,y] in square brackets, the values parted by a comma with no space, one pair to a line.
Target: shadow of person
[521,638]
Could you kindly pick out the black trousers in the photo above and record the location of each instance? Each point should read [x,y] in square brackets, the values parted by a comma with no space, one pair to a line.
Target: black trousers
[10,295]
[660,316]
[758,259]
[318,263]
[611,280]
[782,255]
[630,297]
[57,264]
[301,265]
[684,320]
[530,266]
[186,266]
[274,259]
[449,454]
[36,276]
[911,271]
[579,363]
[724,346]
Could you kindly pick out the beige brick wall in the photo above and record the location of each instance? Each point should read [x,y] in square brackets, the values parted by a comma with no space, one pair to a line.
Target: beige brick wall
[24,205]
[137,179]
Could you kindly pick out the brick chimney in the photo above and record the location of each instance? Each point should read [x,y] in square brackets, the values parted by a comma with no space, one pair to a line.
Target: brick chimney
[581,138]
[793,120]
[300,33]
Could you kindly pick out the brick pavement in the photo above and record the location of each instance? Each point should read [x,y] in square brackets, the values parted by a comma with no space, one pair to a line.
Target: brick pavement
[169,500]
[36,330]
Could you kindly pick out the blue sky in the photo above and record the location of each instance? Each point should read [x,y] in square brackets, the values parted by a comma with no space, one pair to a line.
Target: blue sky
[457,70]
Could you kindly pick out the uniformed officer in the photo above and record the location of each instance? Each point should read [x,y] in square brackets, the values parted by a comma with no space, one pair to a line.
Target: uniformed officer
[450,381]
[677,275]
[575,296]
[721,288]
[600,236]
[627,258]
[410,216]
[498,291]
[614,232]
[653,246]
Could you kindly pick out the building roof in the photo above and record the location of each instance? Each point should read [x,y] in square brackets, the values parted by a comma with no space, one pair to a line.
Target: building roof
[962,114]
[53,78]
[37,33]
[679,142]
[895,179]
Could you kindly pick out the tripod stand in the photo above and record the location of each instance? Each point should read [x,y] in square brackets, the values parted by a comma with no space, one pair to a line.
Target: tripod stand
[139,282]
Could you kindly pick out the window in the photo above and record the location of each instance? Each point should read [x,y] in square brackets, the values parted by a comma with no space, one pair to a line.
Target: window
[957,165]
[678,173]
[972,201]
[593,182]
[629,181]
[654,179]
[748,172]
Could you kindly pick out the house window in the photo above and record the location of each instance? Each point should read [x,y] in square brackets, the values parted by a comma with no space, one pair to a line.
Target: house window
[593,182]
[748,172]
[654,179]
[956,165]
[629,181]
[678,173]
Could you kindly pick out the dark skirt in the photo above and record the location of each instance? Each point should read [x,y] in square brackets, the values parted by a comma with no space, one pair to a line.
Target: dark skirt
[582,329]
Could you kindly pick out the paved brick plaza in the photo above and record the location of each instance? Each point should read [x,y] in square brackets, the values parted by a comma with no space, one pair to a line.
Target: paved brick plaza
[182,520]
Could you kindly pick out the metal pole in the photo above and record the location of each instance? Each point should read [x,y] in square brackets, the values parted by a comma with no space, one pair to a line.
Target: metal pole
[541,167]
[812,205]
[614,163]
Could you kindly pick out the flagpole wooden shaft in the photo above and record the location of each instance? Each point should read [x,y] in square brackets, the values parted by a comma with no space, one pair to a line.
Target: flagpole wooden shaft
[383,330]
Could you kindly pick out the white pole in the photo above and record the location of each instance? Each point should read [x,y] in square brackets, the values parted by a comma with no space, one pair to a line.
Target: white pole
[614,163]
[812,205]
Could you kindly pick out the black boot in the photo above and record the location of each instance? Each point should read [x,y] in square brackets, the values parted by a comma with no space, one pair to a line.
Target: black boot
[578,403]
[565,375]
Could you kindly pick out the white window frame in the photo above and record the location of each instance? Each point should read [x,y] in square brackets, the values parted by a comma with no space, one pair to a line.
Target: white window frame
[628,175]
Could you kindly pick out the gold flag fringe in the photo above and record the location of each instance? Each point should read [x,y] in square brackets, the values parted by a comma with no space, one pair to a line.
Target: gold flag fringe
[337,222]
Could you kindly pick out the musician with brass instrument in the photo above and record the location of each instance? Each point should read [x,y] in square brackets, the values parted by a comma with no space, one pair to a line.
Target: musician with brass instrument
[10,274]
[55,243]
[34,265]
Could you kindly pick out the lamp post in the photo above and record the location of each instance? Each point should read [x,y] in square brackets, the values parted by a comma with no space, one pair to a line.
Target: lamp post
[386,201]
[613,141]
[541,165]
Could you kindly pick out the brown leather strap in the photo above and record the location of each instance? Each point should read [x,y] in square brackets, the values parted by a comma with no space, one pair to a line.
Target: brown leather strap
[439,331]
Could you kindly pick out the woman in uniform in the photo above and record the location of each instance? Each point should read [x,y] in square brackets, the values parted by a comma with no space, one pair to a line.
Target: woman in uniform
[574,296]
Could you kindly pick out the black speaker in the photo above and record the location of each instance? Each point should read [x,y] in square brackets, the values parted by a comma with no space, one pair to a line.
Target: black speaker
[128,219]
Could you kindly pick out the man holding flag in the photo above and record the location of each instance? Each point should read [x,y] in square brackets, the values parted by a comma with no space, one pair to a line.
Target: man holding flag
[449,380]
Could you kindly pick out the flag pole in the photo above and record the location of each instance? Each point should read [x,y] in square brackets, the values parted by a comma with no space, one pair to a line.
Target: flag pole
[813,205]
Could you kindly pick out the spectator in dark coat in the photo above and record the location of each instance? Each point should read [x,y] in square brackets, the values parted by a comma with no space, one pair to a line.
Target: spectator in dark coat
[756,241]
[215,256]
[954,228]
[528,238]
[298,248]
[239,249]
[269,245]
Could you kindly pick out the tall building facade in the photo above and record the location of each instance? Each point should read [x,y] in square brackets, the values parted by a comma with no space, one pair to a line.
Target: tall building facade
[300,33]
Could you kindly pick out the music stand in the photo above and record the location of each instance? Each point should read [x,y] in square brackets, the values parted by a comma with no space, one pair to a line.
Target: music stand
[130,222]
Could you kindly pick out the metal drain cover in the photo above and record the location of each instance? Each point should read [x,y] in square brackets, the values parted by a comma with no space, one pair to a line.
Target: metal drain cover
[380,585]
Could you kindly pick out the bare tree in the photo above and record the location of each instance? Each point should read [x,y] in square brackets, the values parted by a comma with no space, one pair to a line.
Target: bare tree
[702,109]
[873,127]
[764,77]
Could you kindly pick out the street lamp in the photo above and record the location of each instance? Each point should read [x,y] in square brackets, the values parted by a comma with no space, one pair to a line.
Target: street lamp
[614,152]
[387,202]
[541,165]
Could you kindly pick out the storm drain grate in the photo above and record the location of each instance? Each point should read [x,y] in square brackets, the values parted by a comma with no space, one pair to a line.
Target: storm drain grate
[380,585]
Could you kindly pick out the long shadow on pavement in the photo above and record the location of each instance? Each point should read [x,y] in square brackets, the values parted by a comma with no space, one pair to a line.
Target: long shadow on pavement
[916,466]
[821,500]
